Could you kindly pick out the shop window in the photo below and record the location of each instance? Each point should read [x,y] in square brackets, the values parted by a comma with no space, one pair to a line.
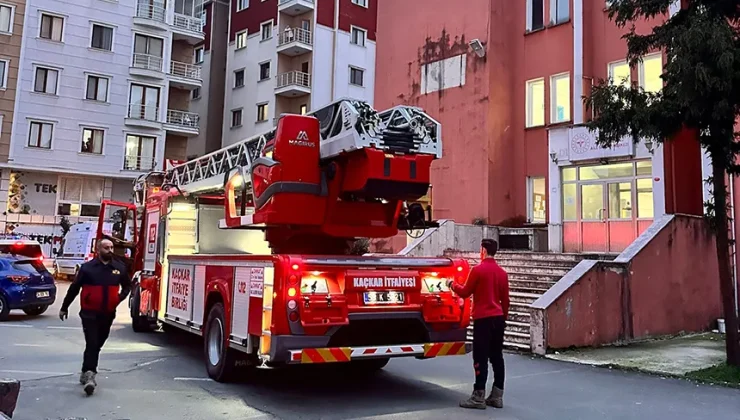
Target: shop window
[620,200]
[617,170]
[645,198]
[570,207]
[80,197]
[569,174]
[537,199]
[645,167]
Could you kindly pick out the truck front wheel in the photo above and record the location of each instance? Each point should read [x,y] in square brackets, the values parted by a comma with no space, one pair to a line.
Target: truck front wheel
[222,362]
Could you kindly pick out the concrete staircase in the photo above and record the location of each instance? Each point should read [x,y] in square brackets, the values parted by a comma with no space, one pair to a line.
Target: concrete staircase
[531,274]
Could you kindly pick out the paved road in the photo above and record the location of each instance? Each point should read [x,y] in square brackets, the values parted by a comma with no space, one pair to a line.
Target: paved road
[161,376]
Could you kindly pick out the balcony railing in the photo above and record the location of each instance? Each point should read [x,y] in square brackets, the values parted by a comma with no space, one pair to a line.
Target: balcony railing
[148,62]
[156,12]
[297,78]
[295,35]
[190,23]
[139,163]
[288,1]
[188,71]
[183,119]
[143,112]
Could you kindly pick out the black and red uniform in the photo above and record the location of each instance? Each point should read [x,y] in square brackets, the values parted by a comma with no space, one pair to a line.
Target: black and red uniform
[103,286]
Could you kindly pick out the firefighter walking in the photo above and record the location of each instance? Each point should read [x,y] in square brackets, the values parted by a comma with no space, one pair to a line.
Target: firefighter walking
[104,284]
[489,285]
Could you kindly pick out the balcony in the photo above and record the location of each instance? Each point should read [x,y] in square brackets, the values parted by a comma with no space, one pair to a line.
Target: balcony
[295,7]
[187,28]
[146,65]
[293,84]
[140,115]
[139,163]
[181,122]
[294,42]
[151,15]
[185,76]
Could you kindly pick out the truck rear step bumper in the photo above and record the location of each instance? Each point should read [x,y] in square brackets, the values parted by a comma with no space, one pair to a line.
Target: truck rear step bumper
[347,354]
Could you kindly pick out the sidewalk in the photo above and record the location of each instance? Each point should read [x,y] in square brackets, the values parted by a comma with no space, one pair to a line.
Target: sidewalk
[674,357]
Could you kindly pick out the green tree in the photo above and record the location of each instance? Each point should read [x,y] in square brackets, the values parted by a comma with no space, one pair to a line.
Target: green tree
[701,92]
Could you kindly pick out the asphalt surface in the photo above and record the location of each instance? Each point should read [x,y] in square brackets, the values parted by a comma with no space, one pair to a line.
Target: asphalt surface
[161,376]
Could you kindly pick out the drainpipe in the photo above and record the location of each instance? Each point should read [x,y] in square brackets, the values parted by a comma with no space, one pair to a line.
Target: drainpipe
[334,47]
[734,238]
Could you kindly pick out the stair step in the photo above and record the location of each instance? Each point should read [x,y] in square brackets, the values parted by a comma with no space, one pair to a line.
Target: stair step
[519,327]
[551,271]
[575,258]
[523,275]
[517,346]
[524,297]
[525,289]
[515,316]
[522,262]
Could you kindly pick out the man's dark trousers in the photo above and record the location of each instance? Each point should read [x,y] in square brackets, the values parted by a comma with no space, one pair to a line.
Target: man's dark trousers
[488,346]
[96,328]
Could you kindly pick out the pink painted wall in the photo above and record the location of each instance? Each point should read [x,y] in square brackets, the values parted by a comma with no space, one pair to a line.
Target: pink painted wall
[640,299]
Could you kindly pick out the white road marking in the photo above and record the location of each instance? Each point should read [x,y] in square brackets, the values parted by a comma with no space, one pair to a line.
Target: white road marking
[16,326]
[151,362]
[194,379]
[64,328]
[36,372]
[30,345]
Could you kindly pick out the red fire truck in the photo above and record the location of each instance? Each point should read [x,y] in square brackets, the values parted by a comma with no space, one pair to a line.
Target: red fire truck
[249,246]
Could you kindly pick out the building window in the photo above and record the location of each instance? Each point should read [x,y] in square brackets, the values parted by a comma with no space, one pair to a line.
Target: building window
[536,203]
[92,141]
[560,98]
[264,71]
[266,30]
[51,27]
[645,209]
[236,118]
[362,3]
[650,70]
[199,55]
[139,153]
[619,74]
[97,88]
[4,74]
[560,11]
[239,78]
[241,5]
[535,103]
[358,36]
[46,81]
[6,18]
[148,52]
[196,93]
[262,112]
[535,14]
[80,197]
[144,102]
[40,135]
[102,38]
[304,109]
[241,40]
[356,76]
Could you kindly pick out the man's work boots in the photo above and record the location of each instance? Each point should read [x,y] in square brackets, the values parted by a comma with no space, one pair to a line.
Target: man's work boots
[83,378]
[477,400]
[90,383]
[496,399]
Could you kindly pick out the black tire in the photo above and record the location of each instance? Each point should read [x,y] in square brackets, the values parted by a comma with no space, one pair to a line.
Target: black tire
[4,308]
[222,363]
[139,324]
[35,310]
[368,366]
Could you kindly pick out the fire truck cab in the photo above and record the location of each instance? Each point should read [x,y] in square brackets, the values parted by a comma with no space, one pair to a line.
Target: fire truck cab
[248,246]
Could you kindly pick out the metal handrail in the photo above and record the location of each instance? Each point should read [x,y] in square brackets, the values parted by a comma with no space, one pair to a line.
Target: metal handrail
[151,11]
[298,78]
[138,163]
[182,118]
[295,35]
[148,62]
[190,23]
[188,71]
[143,112]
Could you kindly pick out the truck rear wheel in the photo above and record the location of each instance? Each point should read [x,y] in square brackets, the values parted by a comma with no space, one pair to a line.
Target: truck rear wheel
[222,362]
[139,323]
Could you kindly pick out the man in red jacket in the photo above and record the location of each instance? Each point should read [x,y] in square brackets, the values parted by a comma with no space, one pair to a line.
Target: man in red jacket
[489,285]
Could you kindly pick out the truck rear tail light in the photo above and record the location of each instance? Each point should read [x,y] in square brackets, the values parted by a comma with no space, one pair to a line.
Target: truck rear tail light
[292,305]
[291,292]
[459,269]
[19,279]
[293,280]
[293,316]
[295,267]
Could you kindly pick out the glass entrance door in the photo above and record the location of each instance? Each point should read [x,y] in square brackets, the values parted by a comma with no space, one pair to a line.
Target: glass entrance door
[593,219]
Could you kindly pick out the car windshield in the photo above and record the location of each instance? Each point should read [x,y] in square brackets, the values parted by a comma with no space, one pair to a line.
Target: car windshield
[30,266]
[25,250]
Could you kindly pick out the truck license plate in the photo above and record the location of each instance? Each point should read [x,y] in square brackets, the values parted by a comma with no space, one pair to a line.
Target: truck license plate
[384,298]
[42,294]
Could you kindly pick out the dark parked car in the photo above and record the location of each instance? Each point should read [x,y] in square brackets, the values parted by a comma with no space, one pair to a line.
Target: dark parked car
[25,284]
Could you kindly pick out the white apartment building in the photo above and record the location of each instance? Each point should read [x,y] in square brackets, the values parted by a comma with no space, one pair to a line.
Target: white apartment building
[294,56]
[103,95]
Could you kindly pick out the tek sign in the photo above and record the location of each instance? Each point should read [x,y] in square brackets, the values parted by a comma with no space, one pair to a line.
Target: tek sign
[180,291]
[582,146]
[383,281]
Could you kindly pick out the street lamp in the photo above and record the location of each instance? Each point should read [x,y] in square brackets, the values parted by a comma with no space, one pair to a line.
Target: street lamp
[649,145]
